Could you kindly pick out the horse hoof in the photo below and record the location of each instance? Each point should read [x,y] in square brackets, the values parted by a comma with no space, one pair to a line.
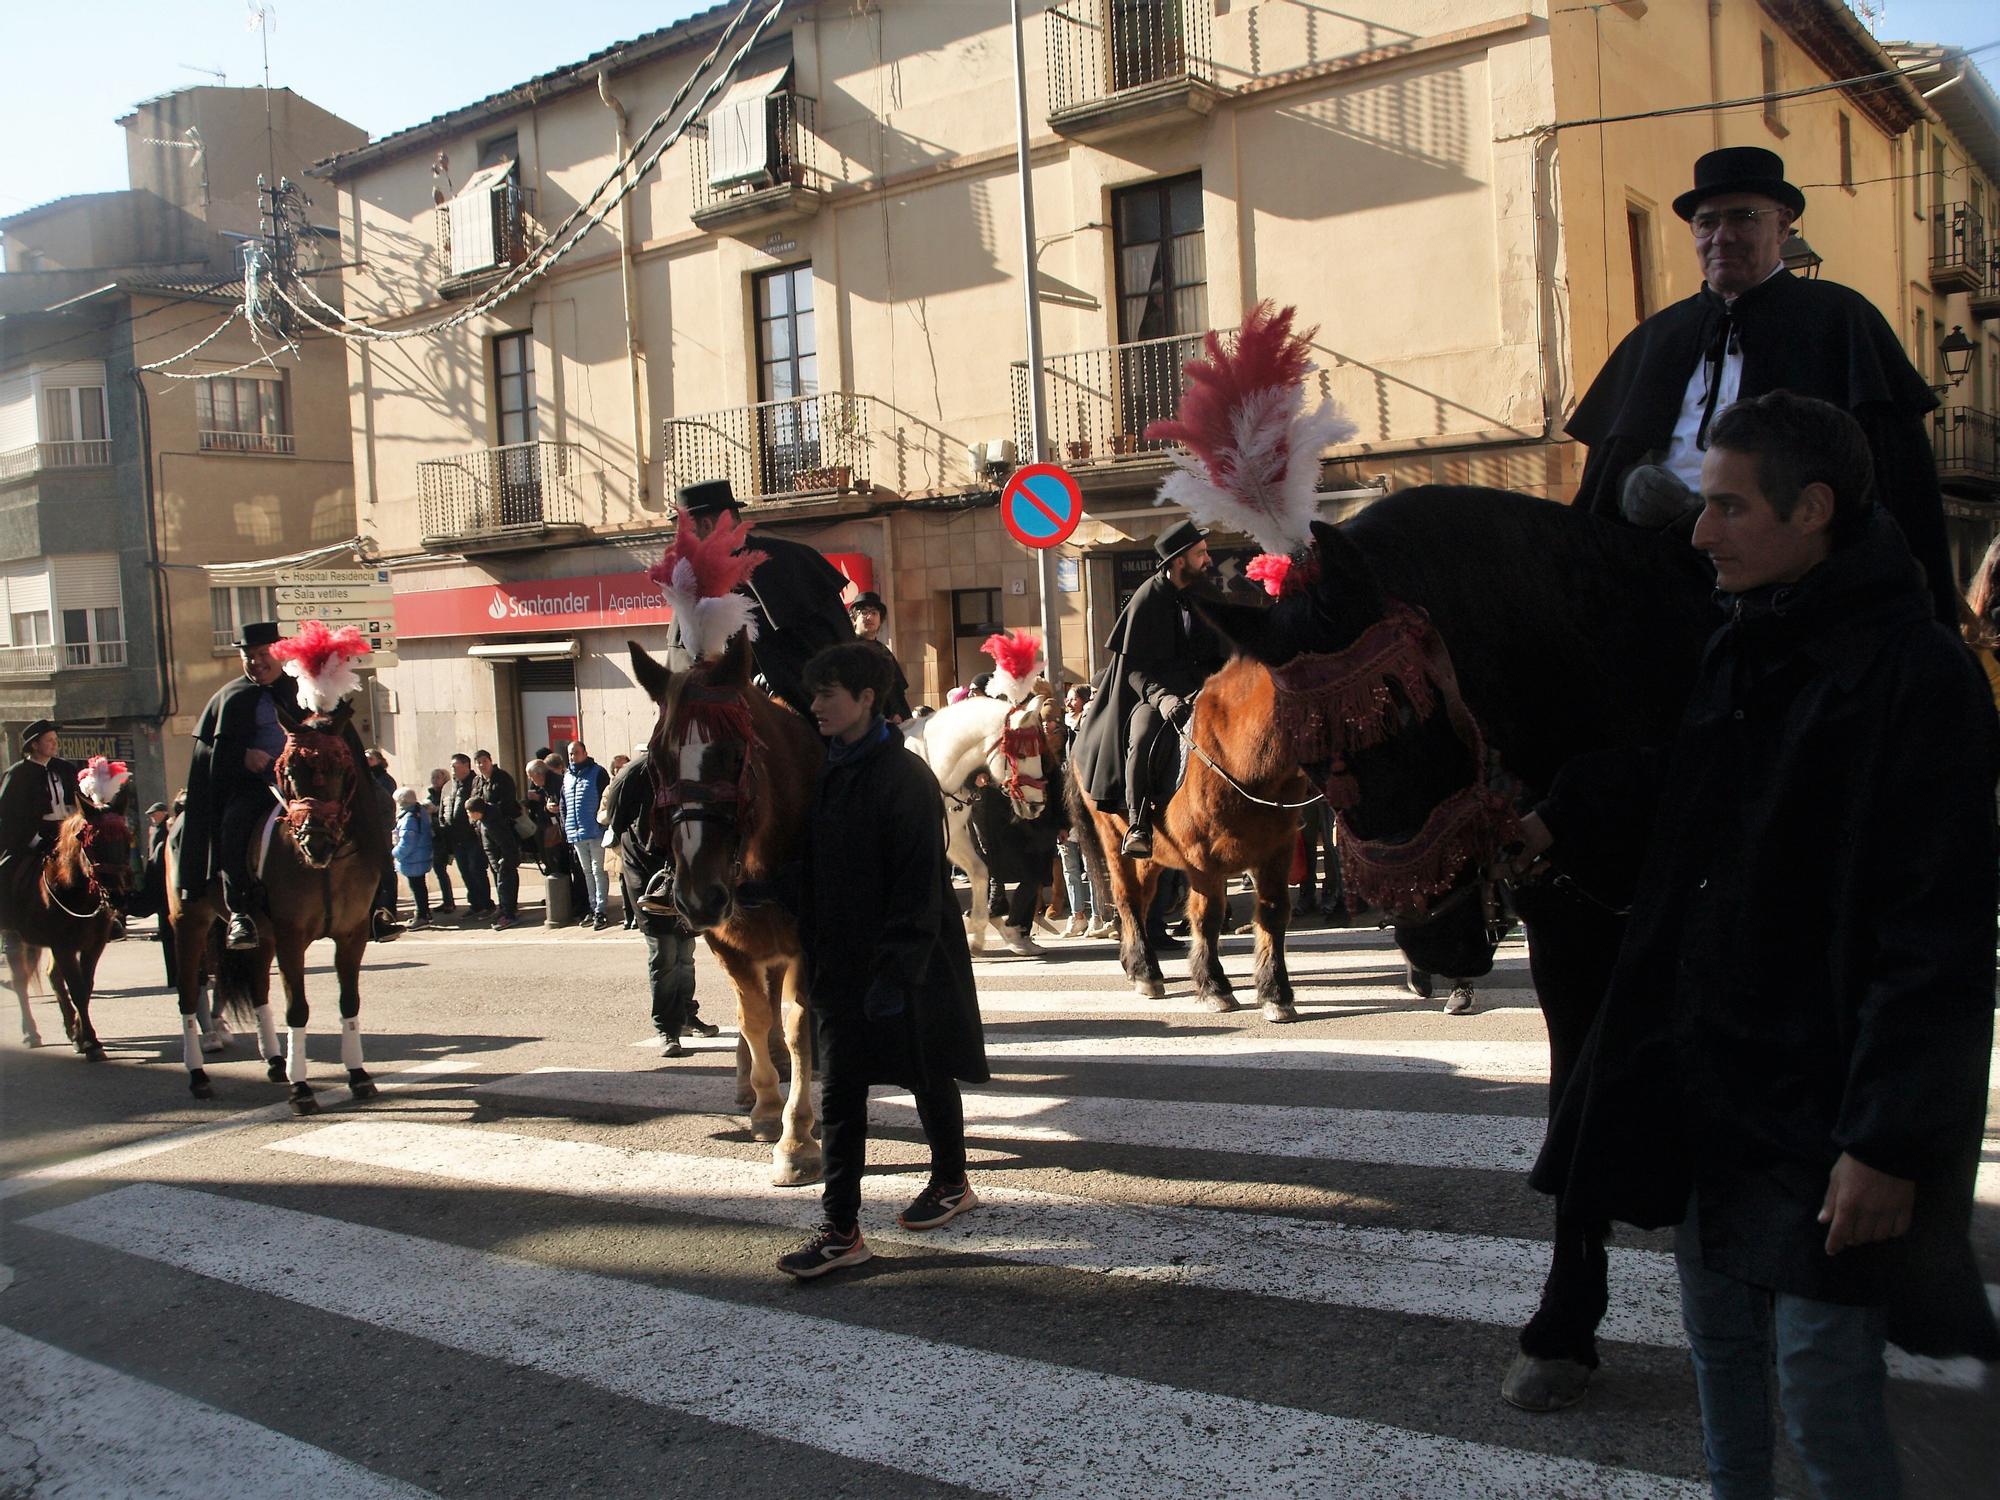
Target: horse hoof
[199,1086]
[1220,1004]
[31,1039]
[1544,1384]
[303,1102]
[800,1172]
[274,1069]
[1148,989]
[92,1050]
[766,1130]
[362,1087]
[1279,1014]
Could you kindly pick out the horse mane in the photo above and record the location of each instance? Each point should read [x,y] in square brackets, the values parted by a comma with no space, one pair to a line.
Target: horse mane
[72,834]
[1568,632]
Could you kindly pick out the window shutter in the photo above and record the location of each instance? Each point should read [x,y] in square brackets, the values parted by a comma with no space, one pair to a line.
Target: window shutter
[27,588]
[471,219]
[79,372]
[86,582]
[17,413]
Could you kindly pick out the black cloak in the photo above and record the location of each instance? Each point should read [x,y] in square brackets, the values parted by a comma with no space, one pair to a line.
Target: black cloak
[25,803]
[226,728]
[1815,338]
[797,597]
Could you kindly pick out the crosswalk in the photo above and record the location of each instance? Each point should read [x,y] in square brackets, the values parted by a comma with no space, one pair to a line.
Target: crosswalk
[1189,1226]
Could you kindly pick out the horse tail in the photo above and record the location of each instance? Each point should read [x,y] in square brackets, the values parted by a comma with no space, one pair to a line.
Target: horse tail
[1083,827]
[236,976]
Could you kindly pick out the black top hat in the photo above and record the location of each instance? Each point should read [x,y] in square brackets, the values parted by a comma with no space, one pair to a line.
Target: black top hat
[1177,540]
[1740,169]
[35,731]
[869,600]
[259,633]
[708,498]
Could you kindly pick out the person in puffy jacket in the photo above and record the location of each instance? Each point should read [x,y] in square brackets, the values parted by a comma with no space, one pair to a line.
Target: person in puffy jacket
[414,848]
[582,789]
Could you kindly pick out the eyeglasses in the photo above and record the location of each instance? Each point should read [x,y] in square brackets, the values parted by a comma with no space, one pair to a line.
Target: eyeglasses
[1709,220]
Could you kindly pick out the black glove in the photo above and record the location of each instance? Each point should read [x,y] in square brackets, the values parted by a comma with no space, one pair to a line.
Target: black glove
[885,1000]
[1177,711]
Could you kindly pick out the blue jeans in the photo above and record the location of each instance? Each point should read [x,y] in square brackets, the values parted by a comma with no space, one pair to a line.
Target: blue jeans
[1074,881]
[1831,1384]
[590,854]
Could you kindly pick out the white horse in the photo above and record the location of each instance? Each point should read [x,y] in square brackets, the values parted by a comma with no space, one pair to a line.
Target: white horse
[960,743]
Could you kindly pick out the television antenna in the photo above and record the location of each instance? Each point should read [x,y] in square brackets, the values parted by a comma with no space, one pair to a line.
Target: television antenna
[221,78]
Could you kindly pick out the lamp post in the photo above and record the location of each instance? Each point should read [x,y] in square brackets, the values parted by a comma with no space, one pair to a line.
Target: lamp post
[1800,257]
[1955,353]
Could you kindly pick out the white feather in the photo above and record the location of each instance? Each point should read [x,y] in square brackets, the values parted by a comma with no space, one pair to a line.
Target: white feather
[322,692]
[705,626]
[102,790]
[1269,484]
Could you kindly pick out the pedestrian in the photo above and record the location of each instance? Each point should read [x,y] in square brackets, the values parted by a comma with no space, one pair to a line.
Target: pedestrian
[414,848]
[669,943]
[869,613]
[499,838]
[1791,1061]
[385,783]
[440,845]
[614,854]
[891,980]
[466,850]
[583,789]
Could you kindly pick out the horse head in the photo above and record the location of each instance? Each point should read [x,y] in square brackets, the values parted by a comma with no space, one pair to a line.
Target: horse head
[93,851]
[704,756]
[317,778]
[1369,700]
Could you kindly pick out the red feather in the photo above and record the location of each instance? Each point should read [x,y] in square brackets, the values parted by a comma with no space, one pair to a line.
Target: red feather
[1014,652]
[1268,355]
[315,646]
[719,568]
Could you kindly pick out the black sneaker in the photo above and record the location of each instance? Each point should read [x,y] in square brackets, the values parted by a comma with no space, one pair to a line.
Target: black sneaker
[699,1027]
[939,1203]
[828,1250]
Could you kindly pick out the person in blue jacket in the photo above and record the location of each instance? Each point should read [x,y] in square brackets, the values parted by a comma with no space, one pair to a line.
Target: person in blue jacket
[582,789]
[414,849]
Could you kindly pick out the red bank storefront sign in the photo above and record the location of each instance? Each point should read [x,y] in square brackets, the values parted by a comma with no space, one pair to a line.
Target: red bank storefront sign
[536,606]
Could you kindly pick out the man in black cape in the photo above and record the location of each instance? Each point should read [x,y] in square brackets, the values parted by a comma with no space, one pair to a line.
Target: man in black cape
[1753,328]
[36,795]
[796,594]
[1161,654]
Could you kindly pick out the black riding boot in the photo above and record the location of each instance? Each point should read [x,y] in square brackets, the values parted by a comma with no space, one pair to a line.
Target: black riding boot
[239,895]
[1138,842]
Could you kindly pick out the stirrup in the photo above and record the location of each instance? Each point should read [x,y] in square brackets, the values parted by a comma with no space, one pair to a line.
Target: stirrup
[241,927]
[1138,842]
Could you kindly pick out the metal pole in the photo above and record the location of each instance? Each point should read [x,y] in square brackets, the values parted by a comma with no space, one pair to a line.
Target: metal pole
[1037,417]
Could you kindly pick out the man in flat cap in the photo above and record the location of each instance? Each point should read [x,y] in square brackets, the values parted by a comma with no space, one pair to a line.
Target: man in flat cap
[1754,327]
[37,793]
[796,593]
[1161,654]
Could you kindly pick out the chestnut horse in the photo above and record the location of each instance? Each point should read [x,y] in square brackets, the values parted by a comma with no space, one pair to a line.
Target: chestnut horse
[1237,812]
[68,905]
[733,776]
[321,865]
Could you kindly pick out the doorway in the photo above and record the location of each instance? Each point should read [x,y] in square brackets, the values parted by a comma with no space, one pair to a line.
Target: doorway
[550,714]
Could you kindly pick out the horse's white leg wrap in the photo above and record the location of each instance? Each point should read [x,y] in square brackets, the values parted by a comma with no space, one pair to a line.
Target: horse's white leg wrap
[191,1042]
[267,1031]
[295,1054]
[350,1043]
[204,1013]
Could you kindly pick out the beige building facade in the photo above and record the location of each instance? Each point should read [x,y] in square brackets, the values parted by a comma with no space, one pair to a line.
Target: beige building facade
[818,294]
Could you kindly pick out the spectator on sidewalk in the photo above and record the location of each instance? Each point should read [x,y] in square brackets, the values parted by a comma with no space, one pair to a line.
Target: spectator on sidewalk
[466,850]
[440,845]
[498,836]
[583,789]
[413,848]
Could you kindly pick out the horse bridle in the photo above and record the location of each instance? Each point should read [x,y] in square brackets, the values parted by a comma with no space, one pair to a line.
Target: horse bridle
[300,813]
[92,885]
[723,714]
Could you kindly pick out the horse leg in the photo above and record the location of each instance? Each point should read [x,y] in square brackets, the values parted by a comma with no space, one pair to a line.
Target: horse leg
[347,951]
[1273,917]
[978,906]
[756,1071]
[21,970]
[1207,900]
[292,967]
[83,984]
[797,1155]
[1130,895]
[190,991]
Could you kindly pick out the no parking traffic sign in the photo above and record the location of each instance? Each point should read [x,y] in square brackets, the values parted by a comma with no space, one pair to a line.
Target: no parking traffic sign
[1041,505]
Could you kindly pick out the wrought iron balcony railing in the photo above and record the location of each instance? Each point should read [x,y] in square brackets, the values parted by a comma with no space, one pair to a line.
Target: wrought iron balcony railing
[1984,300]
[1098,49]
[1958,248]
[86,453]
[787,162]
[27,661]
[522,489]
[1966,442]
[1099,402]
[805,446]
[247,442]
[515,233]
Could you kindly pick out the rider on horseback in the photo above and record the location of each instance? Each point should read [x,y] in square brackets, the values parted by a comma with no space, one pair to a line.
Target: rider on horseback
[233,779]
[1162,652]
[37,793]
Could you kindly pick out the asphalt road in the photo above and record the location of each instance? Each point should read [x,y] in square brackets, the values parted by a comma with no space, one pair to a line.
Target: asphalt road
[1214,1256]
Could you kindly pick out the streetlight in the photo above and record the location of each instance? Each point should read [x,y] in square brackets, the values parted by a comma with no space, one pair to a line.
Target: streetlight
[1955,353]
[1800,257]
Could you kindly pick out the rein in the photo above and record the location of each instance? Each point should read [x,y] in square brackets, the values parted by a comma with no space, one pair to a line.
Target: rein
[721,714]
[1236,786]
[92,887]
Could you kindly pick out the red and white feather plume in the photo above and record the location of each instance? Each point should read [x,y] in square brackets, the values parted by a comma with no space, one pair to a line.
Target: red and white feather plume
[1254,448]
[102,779]
[700,576]
[323,661]
[1014,654]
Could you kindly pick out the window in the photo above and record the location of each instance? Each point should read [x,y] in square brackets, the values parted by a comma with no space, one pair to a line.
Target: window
[93,637]
[975,614]
[1846,127]
[1938,181]
[242,414]
[1916,170]
[1148,41]
[1162,262]
[1919,346]
[91,606]
[520,467]
[230,609]
[1773,84]
[74,432]
[788,438]
[1639,236]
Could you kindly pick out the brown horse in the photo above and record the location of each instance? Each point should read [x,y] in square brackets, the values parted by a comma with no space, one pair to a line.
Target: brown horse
[320,869]
[68,906]
[1237,812]
[733,774]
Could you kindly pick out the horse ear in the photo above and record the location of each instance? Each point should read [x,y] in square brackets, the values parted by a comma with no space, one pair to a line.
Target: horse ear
[1246,626]
[1343,569]
[732,668]
[652,676]
[290,718]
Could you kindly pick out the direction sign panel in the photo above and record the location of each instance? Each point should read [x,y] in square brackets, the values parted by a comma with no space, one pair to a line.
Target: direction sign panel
[1041,505]
[335,614]
[326,593]
[345,577]
[361,597]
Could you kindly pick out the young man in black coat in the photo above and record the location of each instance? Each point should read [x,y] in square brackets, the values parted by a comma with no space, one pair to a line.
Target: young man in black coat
[1791,1060]
[497,838]
[890,977]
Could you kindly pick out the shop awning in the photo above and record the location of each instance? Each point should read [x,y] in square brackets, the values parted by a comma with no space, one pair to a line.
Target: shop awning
[563,650]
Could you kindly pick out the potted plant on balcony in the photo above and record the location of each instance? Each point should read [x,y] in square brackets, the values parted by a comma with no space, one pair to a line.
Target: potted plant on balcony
[825,477]
[1078,450]
[1124,445]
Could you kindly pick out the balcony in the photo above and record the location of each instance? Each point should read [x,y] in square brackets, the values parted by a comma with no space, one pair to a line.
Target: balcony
[1958,248]
[522,495]
[27,661]
[1983,301]
[774,193]
[1099,402]
[1966,442]
[246,442]
[1118,67]
[470,268]
[89,453]
[776,450]
[94,654]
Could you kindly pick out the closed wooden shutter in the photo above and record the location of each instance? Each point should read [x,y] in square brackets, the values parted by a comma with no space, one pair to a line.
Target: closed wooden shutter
[89,581]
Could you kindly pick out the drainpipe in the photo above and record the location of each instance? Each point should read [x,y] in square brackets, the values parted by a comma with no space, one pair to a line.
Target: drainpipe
[1715,69]
[629,276]
[1956,78]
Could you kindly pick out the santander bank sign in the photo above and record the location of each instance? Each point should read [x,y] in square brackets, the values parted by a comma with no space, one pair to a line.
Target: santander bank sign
[599,601]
